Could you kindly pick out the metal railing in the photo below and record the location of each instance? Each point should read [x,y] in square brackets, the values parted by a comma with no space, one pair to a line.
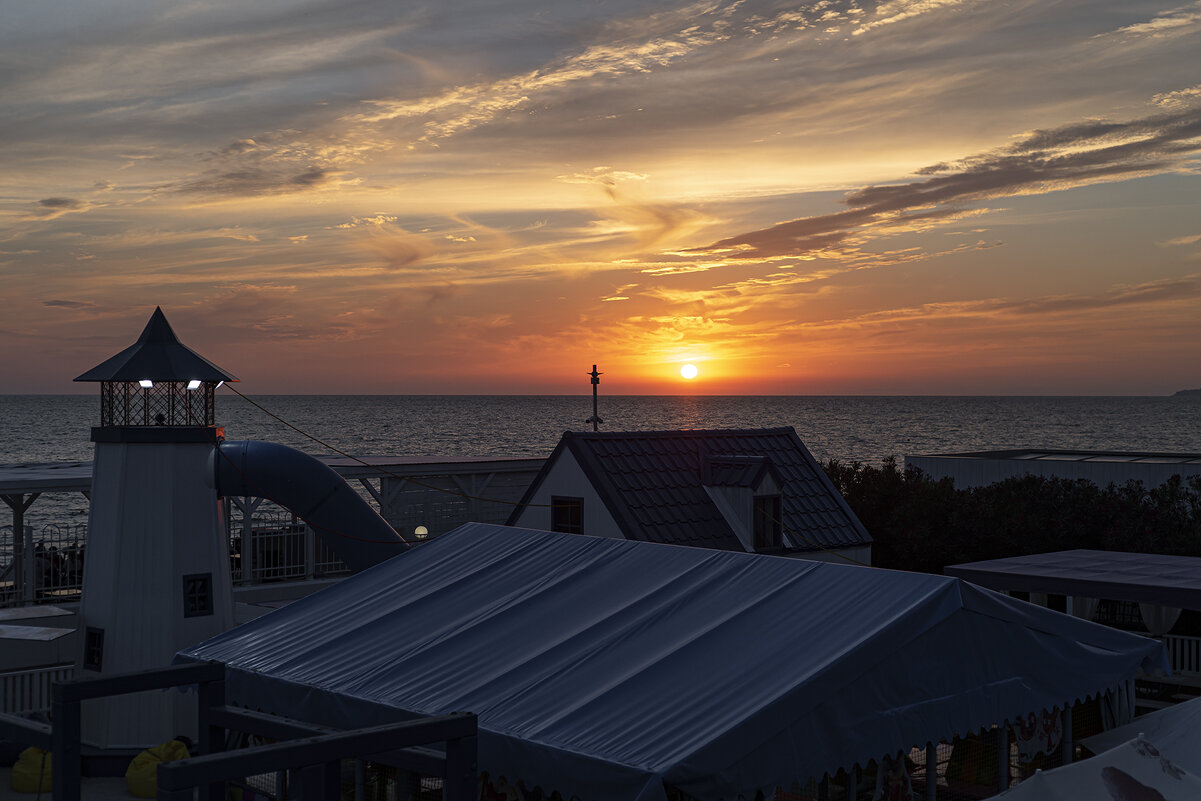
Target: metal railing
[49,567]
[62,738]
[1184,653]
[314,751]
[45,566]
[281,548]
[318,755]
[27,691]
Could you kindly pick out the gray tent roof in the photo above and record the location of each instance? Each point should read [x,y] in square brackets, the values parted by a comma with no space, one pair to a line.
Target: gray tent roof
[158,355]
[1119,576]
[608,668]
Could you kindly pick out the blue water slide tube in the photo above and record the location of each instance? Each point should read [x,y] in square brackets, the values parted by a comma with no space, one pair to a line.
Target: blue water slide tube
[313,492]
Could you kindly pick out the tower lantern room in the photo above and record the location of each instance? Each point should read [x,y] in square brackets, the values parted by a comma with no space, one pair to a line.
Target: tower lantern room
[157,381]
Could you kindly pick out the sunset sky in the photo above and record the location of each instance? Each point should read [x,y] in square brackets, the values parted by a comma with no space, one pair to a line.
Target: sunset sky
[905,197]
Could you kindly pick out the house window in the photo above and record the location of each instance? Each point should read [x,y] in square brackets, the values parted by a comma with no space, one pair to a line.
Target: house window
[198,594]
[767,523]
[567,515]
[93,648]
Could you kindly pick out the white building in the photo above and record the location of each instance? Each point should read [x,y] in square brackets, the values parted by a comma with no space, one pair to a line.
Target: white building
[753,490]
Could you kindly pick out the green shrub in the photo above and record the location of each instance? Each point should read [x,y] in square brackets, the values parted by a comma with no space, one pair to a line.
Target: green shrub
[921,524]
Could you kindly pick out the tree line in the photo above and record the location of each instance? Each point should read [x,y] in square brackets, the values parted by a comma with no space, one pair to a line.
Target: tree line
[919,523]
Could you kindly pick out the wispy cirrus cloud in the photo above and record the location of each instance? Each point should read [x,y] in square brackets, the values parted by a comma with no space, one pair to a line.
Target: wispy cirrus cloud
[638,44]
[51,208]
[1178,292]
[376,219]
[1178,98]
[1176,22]
[894,11]
[1182,240]
[276,163]
[462,108]
[1042,161]
[69,304]
[257,181]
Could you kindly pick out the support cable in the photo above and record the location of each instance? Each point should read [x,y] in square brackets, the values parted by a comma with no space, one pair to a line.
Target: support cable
[380,468]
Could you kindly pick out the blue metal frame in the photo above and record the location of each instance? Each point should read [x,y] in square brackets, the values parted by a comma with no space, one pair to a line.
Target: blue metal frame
[315,750]
[320,758]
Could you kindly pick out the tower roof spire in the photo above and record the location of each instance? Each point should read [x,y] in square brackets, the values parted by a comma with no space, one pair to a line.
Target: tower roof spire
[158,355]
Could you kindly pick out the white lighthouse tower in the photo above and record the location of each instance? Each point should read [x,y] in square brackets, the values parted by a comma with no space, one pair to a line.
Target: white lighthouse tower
[156,572]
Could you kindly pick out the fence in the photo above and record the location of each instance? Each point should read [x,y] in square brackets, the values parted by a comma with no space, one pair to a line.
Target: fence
[1185,653]
[41,567]
[29,690]
[281,548]
[46,565]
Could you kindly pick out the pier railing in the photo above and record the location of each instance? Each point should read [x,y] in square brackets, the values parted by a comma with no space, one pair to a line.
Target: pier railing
[273,545]
[420,499]
[46,565]
[266,542]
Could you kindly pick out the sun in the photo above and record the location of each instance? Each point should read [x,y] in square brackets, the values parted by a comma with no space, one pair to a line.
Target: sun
[688,371]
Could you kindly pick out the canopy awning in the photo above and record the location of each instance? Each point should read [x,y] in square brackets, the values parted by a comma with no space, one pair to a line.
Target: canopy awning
[1132,771]
[1175,730]
[1118,576]
[608,668]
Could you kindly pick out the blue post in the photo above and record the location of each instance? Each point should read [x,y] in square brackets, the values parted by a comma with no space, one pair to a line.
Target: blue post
[65,734]
[210,696]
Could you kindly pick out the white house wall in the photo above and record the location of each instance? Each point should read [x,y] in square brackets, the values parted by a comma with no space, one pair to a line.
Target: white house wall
[567,479]
[737,506]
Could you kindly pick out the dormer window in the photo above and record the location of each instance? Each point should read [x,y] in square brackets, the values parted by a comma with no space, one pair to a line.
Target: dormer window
[767,527]
[567,515]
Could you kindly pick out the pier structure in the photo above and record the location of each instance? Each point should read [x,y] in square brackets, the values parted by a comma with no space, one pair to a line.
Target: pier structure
[421,497]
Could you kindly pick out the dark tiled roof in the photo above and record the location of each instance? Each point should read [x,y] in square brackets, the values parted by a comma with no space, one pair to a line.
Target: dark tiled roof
[653,484]
[735,471]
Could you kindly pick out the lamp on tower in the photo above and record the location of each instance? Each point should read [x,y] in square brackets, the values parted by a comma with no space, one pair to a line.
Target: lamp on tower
[157,381]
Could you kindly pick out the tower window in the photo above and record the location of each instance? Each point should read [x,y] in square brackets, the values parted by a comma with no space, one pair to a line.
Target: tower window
[93,648]
[198,594]
[567,515]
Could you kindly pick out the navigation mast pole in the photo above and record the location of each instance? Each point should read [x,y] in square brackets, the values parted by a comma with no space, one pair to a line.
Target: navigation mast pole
[595,418]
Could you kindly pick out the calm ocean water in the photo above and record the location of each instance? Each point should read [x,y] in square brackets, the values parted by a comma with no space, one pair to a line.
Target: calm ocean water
[868,429]
[42,428]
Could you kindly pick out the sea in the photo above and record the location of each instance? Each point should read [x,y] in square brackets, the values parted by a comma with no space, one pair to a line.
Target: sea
[866,429]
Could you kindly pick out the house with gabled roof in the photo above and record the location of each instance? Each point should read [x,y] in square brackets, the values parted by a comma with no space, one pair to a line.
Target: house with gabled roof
[753,490]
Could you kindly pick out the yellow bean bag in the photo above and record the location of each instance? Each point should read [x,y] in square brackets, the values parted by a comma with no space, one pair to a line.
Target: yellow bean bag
[142,775]
[32,764]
